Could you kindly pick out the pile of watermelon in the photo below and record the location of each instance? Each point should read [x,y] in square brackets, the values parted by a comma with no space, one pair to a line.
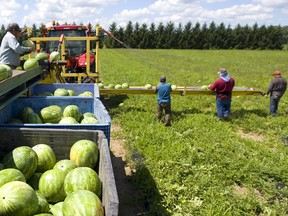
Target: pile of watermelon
[54,114]
[32,182]
[64,92]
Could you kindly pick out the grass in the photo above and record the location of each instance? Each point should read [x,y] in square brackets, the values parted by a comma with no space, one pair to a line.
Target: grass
[202,166]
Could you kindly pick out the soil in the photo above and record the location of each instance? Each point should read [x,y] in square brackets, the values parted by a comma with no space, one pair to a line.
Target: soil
[127,192]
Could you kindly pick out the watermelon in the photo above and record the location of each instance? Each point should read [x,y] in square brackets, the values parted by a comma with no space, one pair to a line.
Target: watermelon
[111,86]
[56,209]
[125,85]
[71,92]
[51,114]
[5,72]
[23,158]
[86,94]
[23,115]
[204,87]
[51,184]
[41,56]
[148,86]
[89,114]
[18,199]
[118,86]
[65,165]
[54,56]
[84,153]
[43,205]
[82,202]
[34,180]
[72,111]
[46,157]
[33,118]
[82,178]
[11,174]
[30,64]
[89,120]
[68,120]
[61,92]
[100,85]
[28,43]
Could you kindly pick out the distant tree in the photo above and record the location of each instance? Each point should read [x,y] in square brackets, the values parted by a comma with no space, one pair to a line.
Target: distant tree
[178,34]
[196,40]
[2,32]
[128,34]
[144,35]
[120,37]
[152,36]
[160,38]
[170,36]
[110,42]
[185,41]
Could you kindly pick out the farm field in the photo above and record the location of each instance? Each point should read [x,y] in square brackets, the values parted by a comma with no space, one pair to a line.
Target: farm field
[200,165]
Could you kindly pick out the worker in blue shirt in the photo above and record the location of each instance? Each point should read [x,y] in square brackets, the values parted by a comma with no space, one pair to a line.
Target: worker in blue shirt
[163,90]
[11,50]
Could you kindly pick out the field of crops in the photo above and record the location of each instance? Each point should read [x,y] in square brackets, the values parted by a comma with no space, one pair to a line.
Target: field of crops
[200,165]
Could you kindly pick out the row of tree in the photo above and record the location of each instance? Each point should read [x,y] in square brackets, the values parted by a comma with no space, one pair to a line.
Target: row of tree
[190,36]
[198,36]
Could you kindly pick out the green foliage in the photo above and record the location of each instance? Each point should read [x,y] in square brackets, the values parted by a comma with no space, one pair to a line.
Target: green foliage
[200,165]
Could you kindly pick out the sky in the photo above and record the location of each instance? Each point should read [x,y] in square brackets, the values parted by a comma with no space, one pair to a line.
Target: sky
[105,12]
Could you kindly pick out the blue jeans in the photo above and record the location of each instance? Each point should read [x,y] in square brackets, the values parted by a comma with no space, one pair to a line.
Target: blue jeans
[223,107]
[274,100]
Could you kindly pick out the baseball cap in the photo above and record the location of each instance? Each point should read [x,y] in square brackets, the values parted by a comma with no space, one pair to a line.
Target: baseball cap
[162,79]
[13,26]
[276,73]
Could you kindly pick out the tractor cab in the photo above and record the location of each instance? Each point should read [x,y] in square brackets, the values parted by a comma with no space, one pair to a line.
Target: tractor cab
[75,48]
[72,47]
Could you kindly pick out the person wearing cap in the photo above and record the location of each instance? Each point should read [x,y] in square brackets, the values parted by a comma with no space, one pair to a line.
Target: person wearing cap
[223,87]
[163,91]
[276,89]
[11,50]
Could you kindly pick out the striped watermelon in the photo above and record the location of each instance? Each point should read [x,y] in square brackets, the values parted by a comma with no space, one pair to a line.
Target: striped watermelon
[33,118]
[84,153]
[56,209]
[23,115]
[11,174]
[23,158]
[18,199]
[43,205]
[61,92]
[82,202]
[51,114]
[82,178]
[46,157]
[65,165]
[51,184]
[72,111]
[68,120]
[71,92]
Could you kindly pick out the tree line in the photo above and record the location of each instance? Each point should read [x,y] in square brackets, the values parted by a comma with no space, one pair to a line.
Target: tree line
[189,36]
[198,36]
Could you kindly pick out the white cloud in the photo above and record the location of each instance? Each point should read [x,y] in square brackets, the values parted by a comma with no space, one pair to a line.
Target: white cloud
[10,12]
[272,3]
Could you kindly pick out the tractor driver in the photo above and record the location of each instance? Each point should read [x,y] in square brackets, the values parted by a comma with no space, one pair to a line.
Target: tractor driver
[10,49]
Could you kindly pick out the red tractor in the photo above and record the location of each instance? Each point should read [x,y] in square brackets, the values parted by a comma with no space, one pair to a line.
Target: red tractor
[75,49]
